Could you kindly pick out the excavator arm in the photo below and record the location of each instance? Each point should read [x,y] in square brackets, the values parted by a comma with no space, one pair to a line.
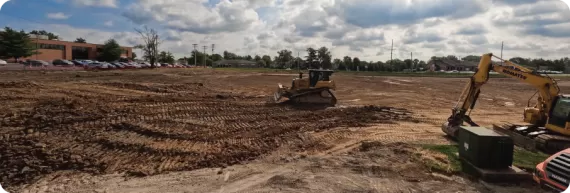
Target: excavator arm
[547,89]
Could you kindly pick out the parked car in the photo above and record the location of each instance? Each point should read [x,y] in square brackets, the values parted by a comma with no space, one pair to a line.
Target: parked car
[36,63]
[79,63]
[144,65]
[3,62]
[125,65]
[97,65]
[60,62]
[109,66]
[135,65]
[117,64]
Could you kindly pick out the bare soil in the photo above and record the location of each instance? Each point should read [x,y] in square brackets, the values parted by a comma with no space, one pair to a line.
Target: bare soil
[187,130]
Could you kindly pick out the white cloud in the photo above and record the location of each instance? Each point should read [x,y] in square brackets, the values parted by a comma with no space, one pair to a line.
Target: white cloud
[356,28]
[58,15]
[97,3]
[108,23]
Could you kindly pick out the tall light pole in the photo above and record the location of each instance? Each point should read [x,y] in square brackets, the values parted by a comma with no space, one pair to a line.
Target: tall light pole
[195,54]
[205,56]
[391,50]
[502,51]
[212,55]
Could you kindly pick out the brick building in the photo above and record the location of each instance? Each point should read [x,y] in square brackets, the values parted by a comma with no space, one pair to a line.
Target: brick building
[56,49]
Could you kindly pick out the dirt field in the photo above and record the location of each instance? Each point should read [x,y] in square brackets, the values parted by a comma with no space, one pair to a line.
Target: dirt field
[106,131]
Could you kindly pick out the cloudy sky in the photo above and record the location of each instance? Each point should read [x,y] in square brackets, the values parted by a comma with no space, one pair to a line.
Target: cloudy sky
[361,28]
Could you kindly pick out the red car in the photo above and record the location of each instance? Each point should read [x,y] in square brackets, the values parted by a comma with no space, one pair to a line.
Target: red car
[554,172]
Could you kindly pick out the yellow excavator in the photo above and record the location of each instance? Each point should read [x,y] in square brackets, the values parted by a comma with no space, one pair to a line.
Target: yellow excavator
[316,89]
[548,127]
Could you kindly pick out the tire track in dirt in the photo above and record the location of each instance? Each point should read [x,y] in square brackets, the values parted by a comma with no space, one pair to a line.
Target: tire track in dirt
[180,128]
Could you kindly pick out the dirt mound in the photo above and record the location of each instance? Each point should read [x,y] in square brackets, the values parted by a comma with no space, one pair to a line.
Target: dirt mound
[377,159]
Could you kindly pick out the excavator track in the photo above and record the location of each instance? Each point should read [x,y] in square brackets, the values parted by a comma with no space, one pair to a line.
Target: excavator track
[546,141]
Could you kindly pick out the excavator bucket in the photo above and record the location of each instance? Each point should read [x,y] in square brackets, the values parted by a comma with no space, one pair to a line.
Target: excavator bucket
[451,131]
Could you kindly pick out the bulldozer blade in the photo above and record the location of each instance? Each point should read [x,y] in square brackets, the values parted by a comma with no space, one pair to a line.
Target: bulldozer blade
[276,96]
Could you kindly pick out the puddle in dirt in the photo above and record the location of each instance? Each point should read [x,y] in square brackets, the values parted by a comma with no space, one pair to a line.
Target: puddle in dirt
[404,80]
[392,82]
[380,94]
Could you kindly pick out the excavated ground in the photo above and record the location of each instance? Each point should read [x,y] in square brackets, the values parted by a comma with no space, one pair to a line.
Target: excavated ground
[149,128]
[141,123]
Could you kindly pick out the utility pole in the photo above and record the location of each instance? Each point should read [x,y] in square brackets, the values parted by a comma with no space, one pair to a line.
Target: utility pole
[205,56]
[195,55]
[212,55]
[37,46]
[412,60]
[502,51]
[298,62]
[391,50]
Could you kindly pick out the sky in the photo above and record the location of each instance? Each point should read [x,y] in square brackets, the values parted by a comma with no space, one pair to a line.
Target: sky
[357,28]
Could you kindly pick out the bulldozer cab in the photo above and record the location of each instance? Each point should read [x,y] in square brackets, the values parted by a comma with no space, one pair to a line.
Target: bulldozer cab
[319,75]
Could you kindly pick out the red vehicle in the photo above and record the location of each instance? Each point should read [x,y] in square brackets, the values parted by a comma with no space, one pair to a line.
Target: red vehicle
[554,172]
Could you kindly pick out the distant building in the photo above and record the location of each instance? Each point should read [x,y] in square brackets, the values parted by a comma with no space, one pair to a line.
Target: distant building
[235,64]
[56,49]
[450,65]
[543,68]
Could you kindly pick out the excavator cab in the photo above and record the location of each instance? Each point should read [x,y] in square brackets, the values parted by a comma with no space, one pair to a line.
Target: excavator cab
[559,116]
[315,89]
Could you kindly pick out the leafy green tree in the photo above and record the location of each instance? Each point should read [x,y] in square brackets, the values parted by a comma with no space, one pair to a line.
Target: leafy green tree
[337,64]
[216,57]
[452,57]
[111,51]
[267,60]
[471,58]
[356,63]
[325,57]
[134,56]
[51,36]
[80,40]
[311,57]
[347,60]
[284,58]
[14,44]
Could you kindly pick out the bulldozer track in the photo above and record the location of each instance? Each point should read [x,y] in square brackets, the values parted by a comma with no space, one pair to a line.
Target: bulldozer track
[142,129]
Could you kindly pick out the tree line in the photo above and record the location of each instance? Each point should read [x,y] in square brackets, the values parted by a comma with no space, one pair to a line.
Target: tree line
[18,44]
